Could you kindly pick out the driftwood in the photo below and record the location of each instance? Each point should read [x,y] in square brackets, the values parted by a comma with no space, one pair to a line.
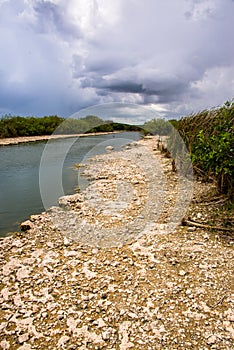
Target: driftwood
[223,200]
[211,201]
[189,222]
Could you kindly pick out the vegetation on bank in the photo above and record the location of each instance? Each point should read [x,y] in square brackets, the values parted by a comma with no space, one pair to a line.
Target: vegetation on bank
[209,137]
[91,124]
[16,126]
[160,126]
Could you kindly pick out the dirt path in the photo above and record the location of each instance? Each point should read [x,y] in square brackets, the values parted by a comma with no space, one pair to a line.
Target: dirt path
[169,288]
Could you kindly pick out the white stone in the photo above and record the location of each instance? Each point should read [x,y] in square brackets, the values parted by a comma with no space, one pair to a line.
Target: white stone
[211,340]
[5,344]
[109,148]
[63,340]
[182,273]
[23,338]
[25,347]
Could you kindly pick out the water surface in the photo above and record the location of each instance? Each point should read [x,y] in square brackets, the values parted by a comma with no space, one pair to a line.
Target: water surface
[19,174]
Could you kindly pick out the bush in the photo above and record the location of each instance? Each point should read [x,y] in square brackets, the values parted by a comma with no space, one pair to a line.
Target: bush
[209,136]
[159,126]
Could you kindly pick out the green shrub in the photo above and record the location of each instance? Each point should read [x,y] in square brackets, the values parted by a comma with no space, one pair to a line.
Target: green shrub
[209,136]
[158,126]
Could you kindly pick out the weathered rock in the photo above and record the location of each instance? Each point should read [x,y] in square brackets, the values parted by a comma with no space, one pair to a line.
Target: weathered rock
[62,341]
[5,345]
[109,148]
[26,225]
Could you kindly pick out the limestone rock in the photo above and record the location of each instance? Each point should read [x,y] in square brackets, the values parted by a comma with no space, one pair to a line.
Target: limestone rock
[26,225]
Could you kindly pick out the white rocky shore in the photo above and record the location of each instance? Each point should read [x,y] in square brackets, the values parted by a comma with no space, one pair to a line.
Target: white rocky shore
[110,269]
[26,139]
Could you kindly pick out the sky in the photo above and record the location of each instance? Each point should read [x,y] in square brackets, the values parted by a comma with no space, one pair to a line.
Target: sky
[169,57]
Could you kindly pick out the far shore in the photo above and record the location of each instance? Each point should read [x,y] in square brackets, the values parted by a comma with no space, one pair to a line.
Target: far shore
[25,139]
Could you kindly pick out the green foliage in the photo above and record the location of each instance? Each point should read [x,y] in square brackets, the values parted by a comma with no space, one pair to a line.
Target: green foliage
[111,126]
[174,123]
[79,126]
[214,157]
[159,127]
[11,126]
[209,136]
[29,126]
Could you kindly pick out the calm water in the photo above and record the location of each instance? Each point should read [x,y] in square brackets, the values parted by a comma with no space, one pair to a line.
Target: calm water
[19,173]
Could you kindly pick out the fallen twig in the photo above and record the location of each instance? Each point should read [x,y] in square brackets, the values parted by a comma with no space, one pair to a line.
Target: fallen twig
[218,302]
[223,200]
[212,201]
[187,222]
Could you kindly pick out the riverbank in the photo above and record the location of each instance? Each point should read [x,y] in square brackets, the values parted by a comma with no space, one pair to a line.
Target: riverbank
[25,139]
[79,287]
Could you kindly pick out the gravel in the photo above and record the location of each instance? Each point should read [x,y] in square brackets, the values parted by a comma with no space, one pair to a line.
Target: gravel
[75,279]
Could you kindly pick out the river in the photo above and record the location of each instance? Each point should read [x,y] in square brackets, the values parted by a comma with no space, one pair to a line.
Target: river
[20,194]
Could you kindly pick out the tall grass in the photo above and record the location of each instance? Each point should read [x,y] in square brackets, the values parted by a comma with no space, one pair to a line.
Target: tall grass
[209,137]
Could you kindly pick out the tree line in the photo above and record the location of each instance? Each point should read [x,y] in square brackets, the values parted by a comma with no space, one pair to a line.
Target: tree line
[16,126]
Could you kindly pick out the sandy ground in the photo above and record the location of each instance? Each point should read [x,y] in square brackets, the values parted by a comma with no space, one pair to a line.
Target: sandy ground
[68,284]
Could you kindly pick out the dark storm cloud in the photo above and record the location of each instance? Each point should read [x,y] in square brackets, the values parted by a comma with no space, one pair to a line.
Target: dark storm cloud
[59,56]
[129,87]
[117,86]
[163,89]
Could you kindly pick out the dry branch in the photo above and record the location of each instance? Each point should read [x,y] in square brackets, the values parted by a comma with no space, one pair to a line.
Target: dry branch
[212,202]
[189,222]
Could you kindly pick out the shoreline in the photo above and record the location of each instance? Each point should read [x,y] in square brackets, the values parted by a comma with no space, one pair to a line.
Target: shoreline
[27,139]
[164,289]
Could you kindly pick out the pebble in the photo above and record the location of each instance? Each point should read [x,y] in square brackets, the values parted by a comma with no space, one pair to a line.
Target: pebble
[109,148]
[25,347]
[106,335]
[211,340]
[23,338]
[5,345]
[191,229]
[63,340]
[182,273]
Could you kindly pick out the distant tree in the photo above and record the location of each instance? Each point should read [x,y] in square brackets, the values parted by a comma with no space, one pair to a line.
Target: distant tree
[158,127]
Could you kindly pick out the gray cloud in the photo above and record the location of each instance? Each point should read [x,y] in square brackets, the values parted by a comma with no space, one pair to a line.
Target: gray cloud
[60,56]
[51,17]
